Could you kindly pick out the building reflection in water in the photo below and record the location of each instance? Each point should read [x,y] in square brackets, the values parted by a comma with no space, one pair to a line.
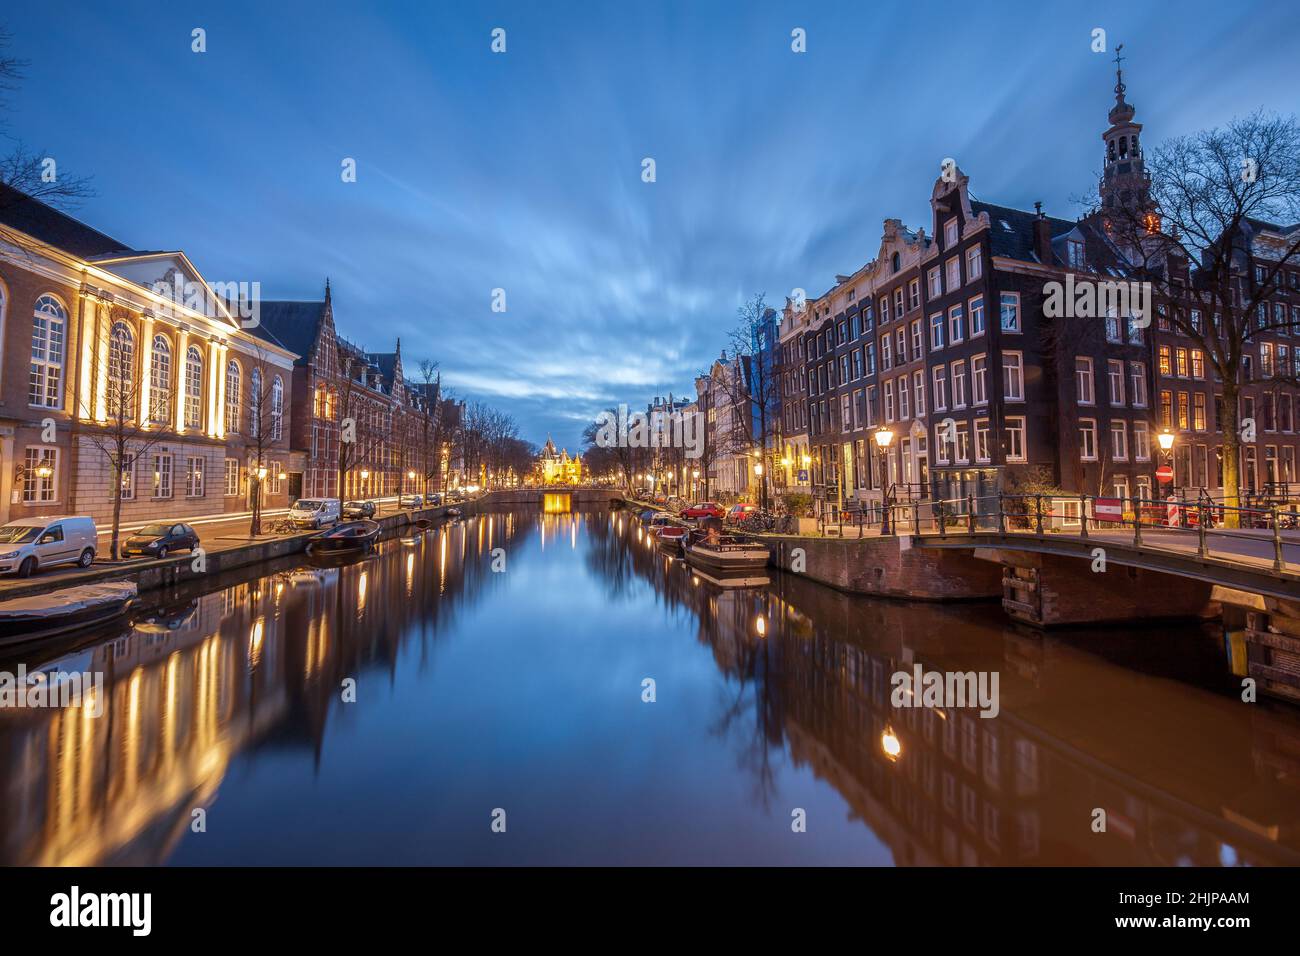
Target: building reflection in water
[1187,775]
[203,678]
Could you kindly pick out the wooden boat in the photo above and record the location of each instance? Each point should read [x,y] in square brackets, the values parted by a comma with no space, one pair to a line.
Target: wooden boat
[59,612]
[349,536]
[453,512]
[672,537]
[728,555]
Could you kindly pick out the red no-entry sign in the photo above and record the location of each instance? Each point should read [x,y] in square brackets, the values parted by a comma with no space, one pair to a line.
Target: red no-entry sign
[1164,473]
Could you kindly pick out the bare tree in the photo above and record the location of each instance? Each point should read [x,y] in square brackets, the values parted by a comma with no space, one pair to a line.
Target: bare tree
[123,437]
[359,436]
[265,419]
[1194,237]
[34,174]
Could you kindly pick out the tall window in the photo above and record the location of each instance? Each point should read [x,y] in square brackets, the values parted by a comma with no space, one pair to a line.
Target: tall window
[193,388]
[1010,311]
[121,372]
[255,403]
[160,381]
[1013,376]
[232,396]
[49,327]
[1083,380]
[162,475]
[40,474]
[194,477]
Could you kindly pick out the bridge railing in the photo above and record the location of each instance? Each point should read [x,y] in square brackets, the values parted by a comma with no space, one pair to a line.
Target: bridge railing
[1207,525]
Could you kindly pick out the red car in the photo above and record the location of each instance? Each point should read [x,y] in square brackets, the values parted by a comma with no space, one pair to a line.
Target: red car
[705,509]
[738,513]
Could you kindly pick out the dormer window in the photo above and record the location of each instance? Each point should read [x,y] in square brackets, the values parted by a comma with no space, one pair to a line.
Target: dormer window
[950,233]
[897,261]
[1076,254]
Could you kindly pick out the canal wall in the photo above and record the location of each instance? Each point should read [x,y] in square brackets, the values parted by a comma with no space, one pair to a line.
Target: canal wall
[535,496]
[171,571]
[887,567]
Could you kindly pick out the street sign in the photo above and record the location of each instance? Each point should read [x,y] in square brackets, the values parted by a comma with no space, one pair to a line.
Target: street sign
[1165,473]
[1107,509]
[803,475]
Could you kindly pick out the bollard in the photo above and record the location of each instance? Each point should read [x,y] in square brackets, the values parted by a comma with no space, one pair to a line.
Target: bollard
[1279,563]
[970,514]
[1202,547]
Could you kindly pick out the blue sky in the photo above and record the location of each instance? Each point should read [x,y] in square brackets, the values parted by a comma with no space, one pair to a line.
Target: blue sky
[522,170]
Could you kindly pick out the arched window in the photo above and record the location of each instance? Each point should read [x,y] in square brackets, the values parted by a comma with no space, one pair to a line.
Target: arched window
[49,327]
[232,396]
[255,404]
[193,388]
[121,372]
[277,408]
[897,261]
[160,381]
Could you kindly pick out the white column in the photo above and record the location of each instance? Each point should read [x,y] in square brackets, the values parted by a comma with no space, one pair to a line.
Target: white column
[182,345]
[223,359]
[210,385]
[146,368]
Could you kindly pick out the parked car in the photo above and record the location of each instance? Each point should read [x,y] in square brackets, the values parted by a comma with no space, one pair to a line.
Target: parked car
[433,498]
[31,543]
[315,512]
[410,501]
[358,509]
[159,540]
[456,495]
[739,513]
[641,494]
[704,509]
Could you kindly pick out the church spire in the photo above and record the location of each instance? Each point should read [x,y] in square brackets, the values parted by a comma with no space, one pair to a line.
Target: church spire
[1124,180]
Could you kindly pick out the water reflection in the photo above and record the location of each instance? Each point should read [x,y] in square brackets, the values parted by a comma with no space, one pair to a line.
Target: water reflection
[514,683]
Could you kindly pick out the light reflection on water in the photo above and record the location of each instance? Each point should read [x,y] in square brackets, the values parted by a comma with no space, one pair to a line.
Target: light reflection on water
[523,690]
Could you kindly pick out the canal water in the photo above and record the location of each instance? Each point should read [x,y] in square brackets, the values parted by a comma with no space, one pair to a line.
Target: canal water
[501,667]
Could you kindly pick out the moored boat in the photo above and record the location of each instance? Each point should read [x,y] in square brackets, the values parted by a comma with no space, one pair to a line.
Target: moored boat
[349,536]
[727,554]
[59,612]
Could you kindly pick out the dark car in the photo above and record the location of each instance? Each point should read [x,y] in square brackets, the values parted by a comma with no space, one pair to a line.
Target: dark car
[159,540]
[410,501]
[433,498]
[358,509]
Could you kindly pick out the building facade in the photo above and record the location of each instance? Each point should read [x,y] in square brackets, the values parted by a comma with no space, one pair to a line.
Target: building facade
[128,368]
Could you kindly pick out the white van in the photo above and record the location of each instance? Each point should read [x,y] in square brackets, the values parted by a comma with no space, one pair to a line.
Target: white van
[315,512]
[31,543]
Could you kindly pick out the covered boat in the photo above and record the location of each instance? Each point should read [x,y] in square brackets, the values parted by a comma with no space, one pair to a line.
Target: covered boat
[59,612]
[349,536]
[726,553]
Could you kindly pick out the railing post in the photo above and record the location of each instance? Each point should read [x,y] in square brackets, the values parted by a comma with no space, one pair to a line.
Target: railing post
[916,517]
[1279,563]
[1202,546]
[1083,516]
[1038,509]
[1137,524]
[970,514]
[1002,516]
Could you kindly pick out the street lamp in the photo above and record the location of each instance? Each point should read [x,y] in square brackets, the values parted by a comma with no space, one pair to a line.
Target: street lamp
[762,487]
[883,439]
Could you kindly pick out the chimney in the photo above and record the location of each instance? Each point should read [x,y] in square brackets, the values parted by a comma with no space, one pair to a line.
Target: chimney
[1042,236]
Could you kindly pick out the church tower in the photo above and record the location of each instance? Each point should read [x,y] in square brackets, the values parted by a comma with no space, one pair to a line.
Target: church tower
[1124,182]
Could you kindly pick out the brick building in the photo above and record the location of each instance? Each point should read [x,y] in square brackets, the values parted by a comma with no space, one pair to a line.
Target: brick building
[949,339]
[123,365]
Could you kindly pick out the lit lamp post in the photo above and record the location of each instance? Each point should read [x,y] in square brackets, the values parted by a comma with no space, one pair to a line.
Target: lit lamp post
[883,439]
[695,483]
[762,487]
[260,474]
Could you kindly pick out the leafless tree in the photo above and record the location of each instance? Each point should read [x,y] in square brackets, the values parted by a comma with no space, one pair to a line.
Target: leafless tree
[122,438]
[1191,241]
[264,421]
